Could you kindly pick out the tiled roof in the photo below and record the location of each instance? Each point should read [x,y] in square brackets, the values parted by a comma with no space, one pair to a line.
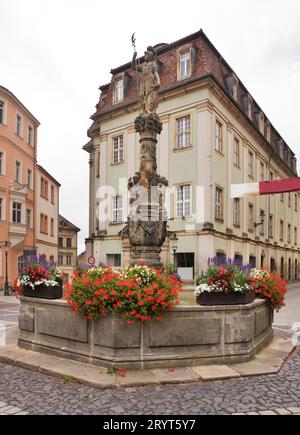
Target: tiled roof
[65,224]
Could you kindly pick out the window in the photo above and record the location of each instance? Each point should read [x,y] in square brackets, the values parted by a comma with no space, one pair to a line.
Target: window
[60,242]
[19,123]
[183,132]
[60,260]
[52,195]
[30,136]
[237,212]
[119,90]
[236,153]
[219,140]
[44,223]
[289,233]
[18,172]
[117,210]
[2,112]
[262,172]
[28,218]
[69,243]
[69,260]
[185,64]
[16,212]
[1,209]
[44,188]
[262,227]
[271,176]
[296,203]
[183,202]
[251,217]
[52,227]
[281,231]
[2,163]
[289,200]
[251,165]
[114,260]
[270,227]
[29,179]
[295,236]
[219,212]
[118,150]
[282,197]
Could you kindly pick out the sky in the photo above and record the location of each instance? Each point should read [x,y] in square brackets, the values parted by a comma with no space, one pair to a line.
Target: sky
[56,53]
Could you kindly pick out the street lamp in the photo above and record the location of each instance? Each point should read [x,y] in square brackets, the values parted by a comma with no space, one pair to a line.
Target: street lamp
[262,216]
[174,241]
[6,246]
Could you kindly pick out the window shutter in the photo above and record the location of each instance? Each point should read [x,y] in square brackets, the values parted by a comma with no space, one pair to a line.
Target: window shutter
[193,56]
[229,84]
[127,78]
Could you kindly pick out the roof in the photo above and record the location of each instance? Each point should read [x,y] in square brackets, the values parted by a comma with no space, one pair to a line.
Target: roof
[64,223]
[18,102]
[43,170]
[208,64]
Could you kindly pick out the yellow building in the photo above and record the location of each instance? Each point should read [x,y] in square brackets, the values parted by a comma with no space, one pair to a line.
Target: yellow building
[67,246]
[214,135]
[47,206]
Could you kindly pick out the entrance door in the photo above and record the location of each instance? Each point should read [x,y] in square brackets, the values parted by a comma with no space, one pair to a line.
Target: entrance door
[185,263]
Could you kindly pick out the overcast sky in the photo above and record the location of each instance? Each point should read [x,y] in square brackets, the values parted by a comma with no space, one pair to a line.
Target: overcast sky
[56,53]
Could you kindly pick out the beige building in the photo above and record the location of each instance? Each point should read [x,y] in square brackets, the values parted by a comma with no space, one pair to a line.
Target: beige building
[214,135]
[67,246]
[47,206]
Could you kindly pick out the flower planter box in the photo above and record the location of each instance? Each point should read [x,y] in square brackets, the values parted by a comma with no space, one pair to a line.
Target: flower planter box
[44,292]
[215,298]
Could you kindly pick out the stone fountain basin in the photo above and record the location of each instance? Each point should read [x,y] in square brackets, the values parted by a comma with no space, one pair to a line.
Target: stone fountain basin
[189,336]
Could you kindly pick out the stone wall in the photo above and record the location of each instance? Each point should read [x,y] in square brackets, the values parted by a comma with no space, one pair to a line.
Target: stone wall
[189,336]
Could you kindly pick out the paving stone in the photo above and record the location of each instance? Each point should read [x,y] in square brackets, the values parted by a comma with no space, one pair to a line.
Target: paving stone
[215,372]
[267,413]
[282,411]
[294,410]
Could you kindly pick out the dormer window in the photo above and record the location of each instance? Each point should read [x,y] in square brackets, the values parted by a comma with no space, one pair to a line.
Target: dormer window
[250,104]
[268,132]
[119,90]
[260,122]
[185,64]
[235,87]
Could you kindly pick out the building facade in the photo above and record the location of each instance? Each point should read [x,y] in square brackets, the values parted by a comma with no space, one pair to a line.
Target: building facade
[18,145]
[214,135]
[47,207]
[67,246]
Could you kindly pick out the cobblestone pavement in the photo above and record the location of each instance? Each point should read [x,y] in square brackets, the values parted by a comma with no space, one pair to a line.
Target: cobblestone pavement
[35,393]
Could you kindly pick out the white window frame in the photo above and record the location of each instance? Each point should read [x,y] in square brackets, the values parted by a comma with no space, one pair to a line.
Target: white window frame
[3,163]
[185,64]
[250,164]
[183,201]
[183,132]
[236,152]
[119,90]
[251,217]
[219,137]
[17,211]
[219,204]
[61,260]
[29,179]
[19,126]
[236,212]
[4,112]
[29,218]
[18,171]
[2,209]
[118,149]
[117,209]
[30,137]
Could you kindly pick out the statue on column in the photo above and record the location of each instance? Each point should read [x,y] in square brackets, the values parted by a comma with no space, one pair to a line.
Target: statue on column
[147,226]
[149,81]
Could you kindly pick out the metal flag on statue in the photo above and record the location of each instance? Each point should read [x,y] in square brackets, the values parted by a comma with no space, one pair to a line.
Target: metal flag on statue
[265,188]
